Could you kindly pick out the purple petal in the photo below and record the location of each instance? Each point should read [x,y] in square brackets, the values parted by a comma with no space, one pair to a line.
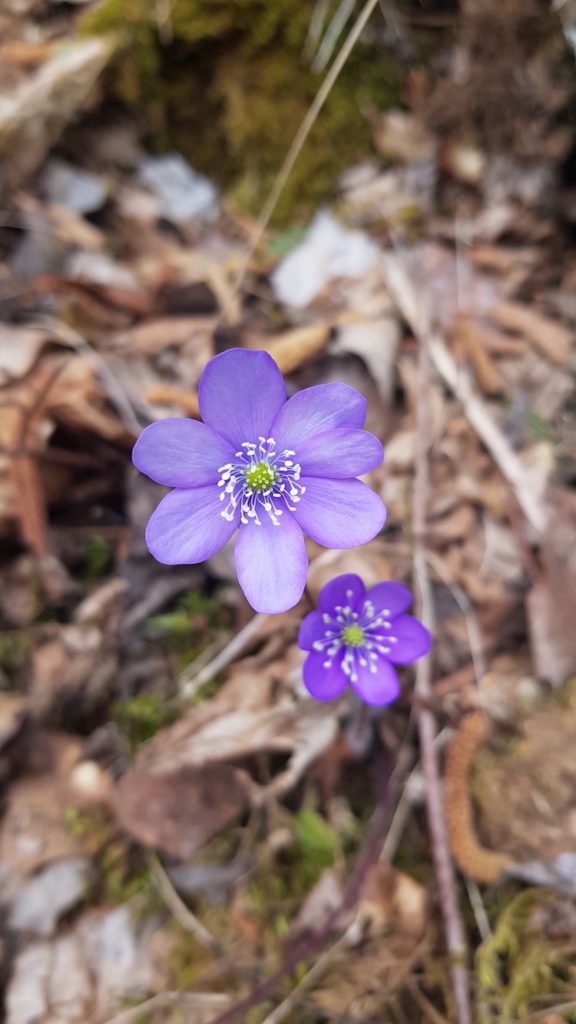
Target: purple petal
[339,513]
[379,688]
[412,640]
[340,453]
[240,393]
[316,410]
[181,453]
[323,683]
[272,564]
[312,628]
[342,590]
[390,597]
[188,527]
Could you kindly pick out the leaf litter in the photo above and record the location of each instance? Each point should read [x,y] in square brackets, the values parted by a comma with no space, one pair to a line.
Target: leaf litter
[145,718]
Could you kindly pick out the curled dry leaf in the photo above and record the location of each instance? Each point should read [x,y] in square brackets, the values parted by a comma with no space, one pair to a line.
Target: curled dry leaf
[294,348]
[32,114]
[217,731]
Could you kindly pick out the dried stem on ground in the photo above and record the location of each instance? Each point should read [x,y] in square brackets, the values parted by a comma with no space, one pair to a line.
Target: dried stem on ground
[181,912]
[302,134]
[192,681]
[313,945]
[454,931]
[474,408]
[205,1000]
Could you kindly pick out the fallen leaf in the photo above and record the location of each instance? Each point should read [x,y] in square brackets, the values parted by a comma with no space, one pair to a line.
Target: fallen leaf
[403,138]
[486,371]
[34,829]
[392,901]
[294,348]
[179,812]
[19,349]
[549,337]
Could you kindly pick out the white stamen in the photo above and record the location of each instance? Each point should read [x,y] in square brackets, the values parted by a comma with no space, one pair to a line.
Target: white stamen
[275,489]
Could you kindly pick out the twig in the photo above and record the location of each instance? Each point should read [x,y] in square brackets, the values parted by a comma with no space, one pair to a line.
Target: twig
[454,932]
[204,999]
[181,912]
[316,971]
[302,134]
[479,910]
[312,945]
[479,417]
[191,681]
[475,639]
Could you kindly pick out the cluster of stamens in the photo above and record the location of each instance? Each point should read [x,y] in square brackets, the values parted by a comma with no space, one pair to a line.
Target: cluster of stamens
[262,481]
[363,635]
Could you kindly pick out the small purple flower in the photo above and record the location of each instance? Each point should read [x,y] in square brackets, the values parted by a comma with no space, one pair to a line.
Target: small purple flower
[266,467]
[357,636]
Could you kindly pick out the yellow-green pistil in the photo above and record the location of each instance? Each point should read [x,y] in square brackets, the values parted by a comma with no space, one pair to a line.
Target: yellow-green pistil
[353,636]
[261,477]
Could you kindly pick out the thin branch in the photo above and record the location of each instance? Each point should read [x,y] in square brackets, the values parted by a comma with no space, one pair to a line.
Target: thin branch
[181,912]
[206,1000]
[445,875]
[316,971]
[302,134]
[193,680]
[510,465]
[314,944]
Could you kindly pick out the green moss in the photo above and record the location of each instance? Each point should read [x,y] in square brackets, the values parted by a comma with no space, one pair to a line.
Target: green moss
[140,717]
[187,959]
[518,964]
[14,646]
[97,558]
[232,87]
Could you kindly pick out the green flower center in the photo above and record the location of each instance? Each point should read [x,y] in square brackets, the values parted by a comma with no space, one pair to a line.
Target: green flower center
[261,477]
[353,636]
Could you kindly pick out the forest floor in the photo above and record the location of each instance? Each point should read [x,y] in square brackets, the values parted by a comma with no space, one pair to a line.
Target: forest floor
[186,835]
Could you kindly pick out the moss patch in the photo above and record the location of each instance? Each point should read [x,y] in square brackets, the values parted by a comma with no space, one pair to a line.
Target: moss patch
[231,87]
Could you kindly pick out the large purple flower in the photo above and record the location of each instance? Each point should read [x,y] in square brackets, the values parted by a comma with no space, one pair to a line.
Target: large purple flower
[270,468]
[356,638]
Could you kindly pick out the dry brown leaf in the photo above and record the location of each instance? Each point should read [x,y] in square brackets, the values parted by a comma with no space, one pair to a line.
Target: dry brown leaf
[167,394]
[179,812]
[486,371]
[32,115]
[549,337]
[503,260]
[72,229]
[457,525]
[19,350]
[371,563]
[294,348]
[403,138]
[217,732]
[155,335]
[34,829]
[392,901]
[13,712]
